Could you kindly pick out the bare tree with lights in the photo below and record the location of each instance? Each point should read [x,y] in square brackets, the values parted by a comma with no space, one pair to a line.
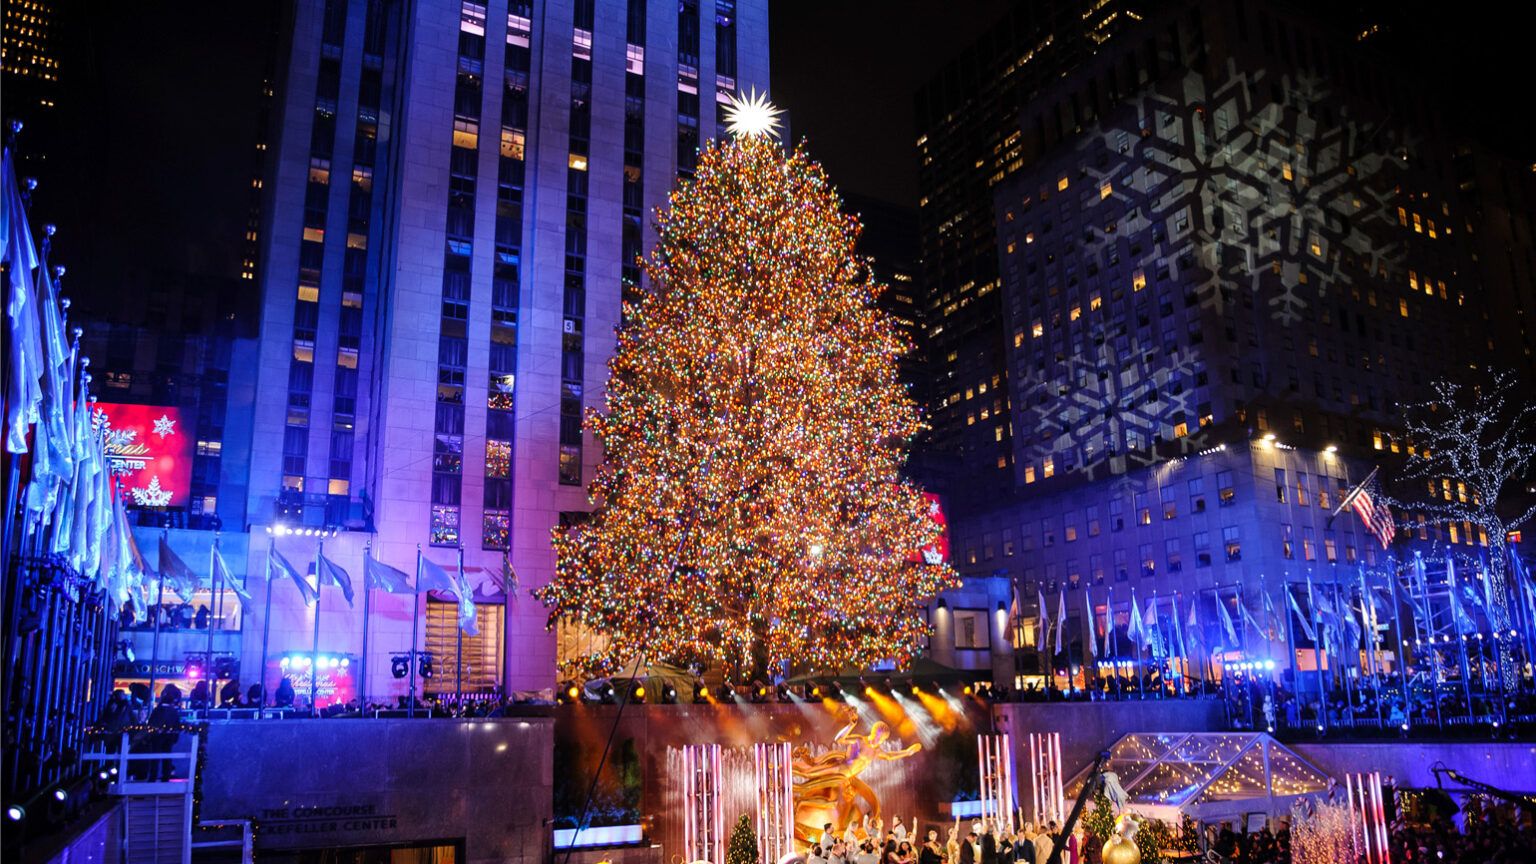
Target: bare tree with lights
[1474,451]
[750,512]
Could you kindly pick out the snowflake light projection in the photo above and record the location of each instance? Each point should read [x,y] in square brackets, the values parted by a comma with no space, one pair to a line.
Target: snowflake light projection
[1108,405]
[1255,182]
[1207,206]
[151,496]
[165,426]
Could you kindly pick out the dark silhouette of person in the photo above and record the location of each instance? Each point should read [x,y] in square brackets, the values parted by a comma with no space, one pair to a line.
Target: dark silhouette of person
[229,694]
[166,720]
[285,693]
[201,695]
[116,715]
[255,696]
[200,619]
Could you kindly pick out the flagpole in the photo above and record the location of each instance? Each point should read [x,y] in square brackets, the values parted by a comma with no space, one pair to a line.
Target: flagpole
[266,630]
[1141,684]
[314,654]
[1290,644]
[458,661]
[1368,606]
[1319,648]
[1397,627]
[154,651]
[1421,577]
[362,681]
[1114,644]
[1345,668]
[1461,639]
[213,572]
[415,626]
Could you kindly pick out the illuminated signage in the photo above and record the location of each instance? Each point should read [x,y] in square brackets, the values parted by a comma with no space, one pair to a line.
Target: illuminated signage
[150,451]
[936,552]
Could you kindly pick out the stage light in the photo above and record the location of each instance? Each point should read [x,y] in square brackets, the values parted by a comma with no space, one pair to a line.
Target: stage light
[102,776]
[605,693]
[15,813]
[638,693]
[814,692]
[727,693]
[785,694]
[967,690]
[59,794]
[916,688]
[834,690]
[425,664]
[759,692]
[399,665]
[668,695]
[700,693]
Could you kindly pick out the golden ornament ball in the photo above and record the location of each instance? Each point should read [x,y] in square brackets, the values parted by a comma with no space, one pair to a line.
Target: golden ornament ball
[1121,851]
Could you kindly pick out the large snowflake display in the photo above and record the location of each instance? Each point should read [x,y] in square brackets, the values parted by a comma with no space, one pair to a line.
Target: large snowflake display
[1209,211]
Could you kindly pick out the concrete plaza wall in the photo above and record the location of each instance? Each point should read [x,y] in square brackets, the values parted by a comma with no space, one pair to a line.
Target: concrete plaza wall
[322,784]
[1510,766]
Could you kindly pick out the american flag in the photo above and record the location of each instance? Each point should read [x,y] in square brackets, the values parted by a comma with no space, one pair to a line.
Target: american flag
[1376,516]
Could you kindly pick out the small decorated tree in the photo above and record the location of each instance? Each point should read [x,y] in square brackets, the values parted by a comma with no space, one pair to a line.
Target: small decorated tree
[1100,821]
[743,848]
[1152,839]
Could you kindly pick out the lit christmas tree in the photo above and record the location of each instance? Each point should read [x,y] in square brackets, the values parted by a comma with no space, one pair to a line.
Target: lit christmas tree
[750,515]
[743,848]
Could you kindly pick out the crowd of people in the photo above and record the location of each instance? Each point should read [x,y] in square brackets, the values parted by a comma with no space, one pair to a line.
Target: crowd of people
[171,616]
[1489,834]
[986,842]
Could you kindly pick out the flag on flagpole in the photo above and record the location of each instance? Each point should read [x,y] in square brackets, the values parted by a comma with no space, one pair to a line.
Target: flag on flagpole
[222,573]
[1178,629]
[1225,618]
[1149,624]
[25,360]
[1093,641]
[1061,617]
[1306,624]
[1043,631]
[276,562]
[1463,621]
[1248,619]
[1274,631]
[1375,515]
[1110,644]
[377,574]
[1192,624]
[434,578]
[1134,630]
[328,572]
[175,573]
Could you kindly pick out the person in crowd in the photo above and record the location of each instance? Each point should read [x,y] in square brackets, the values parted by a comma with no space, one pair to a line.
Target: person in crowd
[839,854]
[255,696]
[200,619]
[1044,843]
[932,852]
[905,853]
[201,696]
[970,849]
[952,843]
[988,842]
[1024,846]
[116,715]
[229,694]
[816,855]
[125,615]
[827,837]
[866,854]
[285,694]
[166,719]
[888,853]
[1004,847]
[898,830]
[185,616]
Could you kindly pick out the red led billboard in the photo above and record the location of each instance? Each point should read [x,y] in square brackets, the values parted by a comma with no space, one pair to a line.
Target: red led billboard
[936,552]
[150,451]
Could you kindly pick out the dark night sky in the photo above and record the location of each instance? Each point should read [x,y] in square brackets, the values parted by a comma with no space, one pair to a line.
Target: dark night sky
[847,70]
[159,104]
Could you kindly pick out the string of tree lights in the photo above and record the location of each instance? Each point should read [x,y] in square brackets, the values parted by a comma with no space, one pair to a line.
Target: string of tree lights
[753,396]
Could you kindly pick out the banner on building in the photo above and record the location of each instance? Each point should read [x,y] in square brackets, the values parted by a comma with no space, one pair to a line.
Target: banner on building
[150,451]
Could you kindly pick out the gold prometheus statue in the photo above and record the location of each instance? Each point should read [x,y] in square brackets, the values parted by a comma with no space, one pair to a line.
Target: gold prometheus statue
[827,786]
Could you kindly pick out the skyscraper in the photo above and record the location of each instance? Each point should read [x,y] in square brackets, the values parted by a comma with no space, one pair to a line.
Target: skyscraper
[1234,248]
[461,189]
[969,140]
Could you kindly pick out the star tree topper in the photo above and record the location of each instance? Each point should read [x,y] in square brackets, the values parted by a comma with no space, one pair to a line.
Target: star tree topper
[751,115]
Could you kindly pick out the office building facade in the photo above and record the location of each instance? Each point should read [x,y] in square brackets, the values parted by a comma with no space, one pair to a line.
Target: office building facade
[1238,248]
[460,191]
